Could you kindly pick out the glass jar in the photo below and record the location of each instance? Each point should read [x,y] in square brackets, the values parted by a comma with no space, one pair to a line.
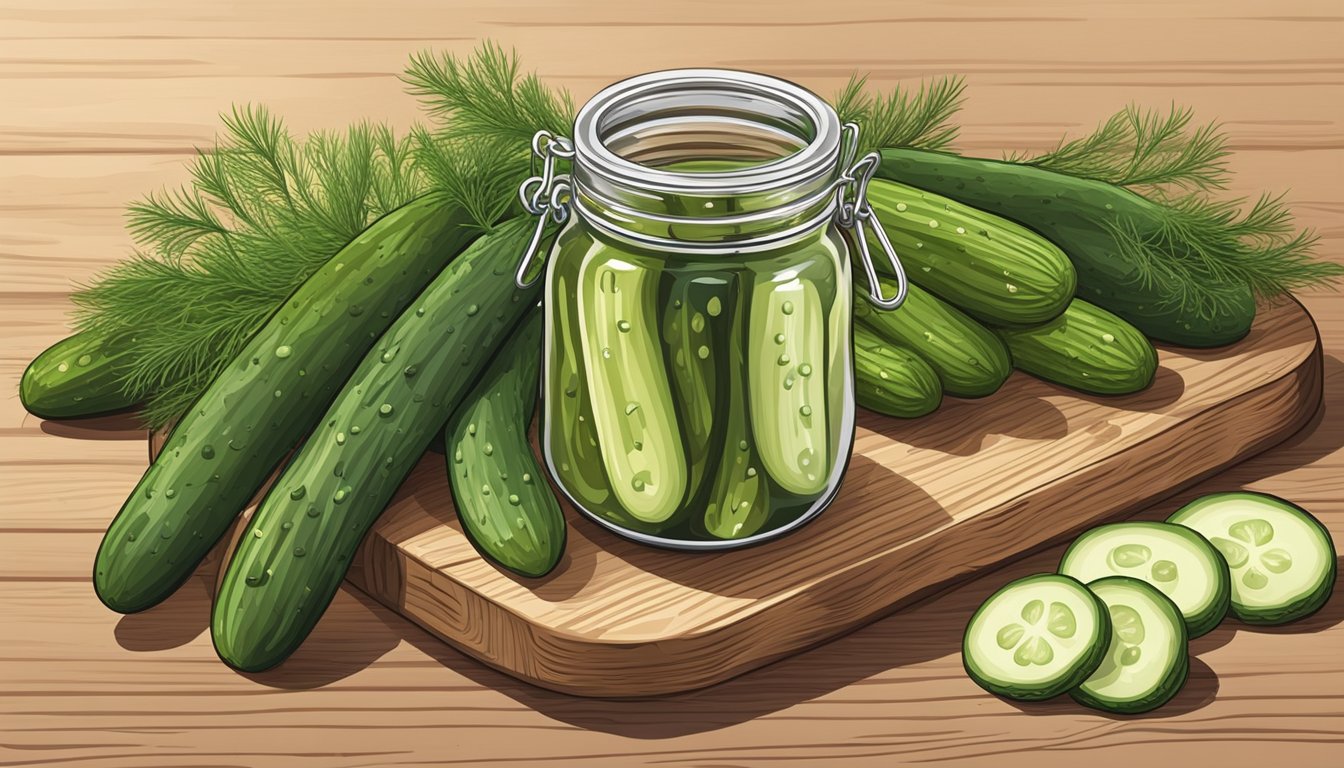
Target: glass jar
[697,383]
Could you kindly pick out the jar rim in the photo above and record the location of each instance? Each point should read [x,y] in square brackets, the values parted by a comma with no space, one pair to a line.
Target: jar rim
[818,157]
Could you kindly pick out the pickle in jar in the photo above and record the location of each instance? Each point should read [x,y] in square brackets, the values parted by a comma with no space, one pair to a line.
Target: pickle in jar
[697,326]
[629,387]
[786,337]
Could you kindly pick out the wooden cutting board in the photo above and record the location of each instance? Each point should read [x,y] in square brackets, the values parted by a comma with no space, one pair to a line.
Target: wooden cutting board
[924,503]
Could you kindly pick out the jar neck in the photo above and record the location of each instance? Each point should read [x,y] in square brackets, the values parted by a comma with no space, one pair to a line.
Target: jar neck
[706,161]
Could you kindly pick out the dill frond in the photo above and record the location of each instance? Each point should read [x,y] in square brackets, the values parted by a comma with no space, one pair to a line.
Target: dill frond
[486,95]
[218,256]
[901,118]
[1197,250]
[1143,149]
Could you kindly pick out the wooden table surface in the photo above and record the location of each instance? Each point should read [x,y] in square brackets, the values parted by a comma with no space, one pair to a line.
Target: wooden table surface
[103,101]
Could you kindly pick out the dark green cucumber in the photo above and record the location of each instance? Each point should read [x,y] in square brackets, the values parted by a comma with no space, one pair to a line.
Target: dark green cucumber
[991,268]
[1084,217]
[300,543]
[80,375]
[739,496]
[1087,349]
[969,359]
[503,500]
[892,380]
[695,329]
[268,398]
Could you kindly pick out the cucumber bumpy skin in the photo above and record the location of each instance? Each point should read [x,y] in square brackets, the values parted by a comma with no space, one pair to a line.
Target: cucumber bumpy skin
[993,269]
[891,380]
[1087,349]
[506,507]
[1081,216]
[298,546]
[786,341]
[969,359]
[629,387]
[78,376]
[273,393]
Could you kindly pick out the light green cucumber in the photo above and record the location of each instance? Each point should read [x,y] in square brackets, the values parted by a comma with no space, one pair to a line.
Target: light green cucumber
[298,546]
[1146,660]
[786,343]
[80,375]
[993,269]
[629,387]
[1282,559]
[969,359]
[1036,638]
[892,380]
[1087,349]
[1172,558]
[503,500]
[569,437]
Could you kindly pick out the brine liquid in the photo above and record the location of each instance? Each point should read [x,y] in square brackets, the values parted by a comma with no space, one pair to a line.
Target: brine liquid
[701,398]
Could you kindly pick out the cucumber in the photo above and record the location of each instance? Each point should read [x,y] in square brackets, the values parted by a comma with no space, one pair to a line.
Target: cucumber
[629,391]
[78,376]
[1087,349]
[969,359]
[1176,560]
[300,543]
[1281,558]
[1087,219]
[568,436]
[506,507]
[993,269]
[786,341]
[892,380]
[696,327]
[1146,660]
[1036,638]
[273,392]
[739,496]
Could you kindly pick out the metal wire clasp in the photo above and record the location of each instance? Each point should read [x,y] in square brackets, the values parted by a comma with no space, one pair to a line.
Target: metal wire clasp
[546,196]
[855,214]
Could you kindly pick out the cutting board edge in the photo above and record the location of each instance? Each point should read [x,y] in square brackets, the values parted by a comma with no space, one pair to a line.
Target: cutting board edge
[666,665]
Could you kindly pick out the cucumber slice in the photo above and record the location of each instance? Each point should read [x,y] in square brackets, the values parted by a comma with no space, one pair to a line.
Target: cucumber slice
[1172,558]
[1036,638]
[1146,661]
[1281,558]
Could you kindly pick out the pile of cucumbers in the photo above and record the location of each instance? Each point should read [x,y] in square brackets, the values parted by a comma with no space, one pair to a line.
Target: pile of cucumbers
[416,329]
[1111,627]
[987,295]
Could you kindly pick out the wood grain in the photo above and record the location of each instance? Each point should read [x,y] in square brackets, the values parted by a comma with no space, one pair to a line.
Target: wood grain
[924,503]
[103,101]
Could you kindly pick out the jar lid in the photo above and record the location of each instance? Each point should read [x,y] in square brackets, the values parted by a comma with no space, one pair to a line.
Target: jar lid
[628,137]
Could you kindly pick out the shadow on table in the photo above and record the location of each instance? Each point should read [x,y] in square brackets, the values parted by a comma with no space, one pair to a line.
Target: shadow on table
[358,631]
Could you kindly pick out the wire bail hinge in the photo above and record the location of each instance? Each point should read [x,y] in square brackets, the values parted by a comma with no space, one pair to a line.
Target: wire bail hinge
[855,214]
[546,196]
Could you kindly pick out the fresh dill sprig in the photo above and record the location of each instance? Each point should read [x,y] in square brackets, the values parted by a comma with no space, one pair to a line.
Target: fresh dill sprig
[1197,249]
[486,95]
[1143,149]
[216,257]
[901,118]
